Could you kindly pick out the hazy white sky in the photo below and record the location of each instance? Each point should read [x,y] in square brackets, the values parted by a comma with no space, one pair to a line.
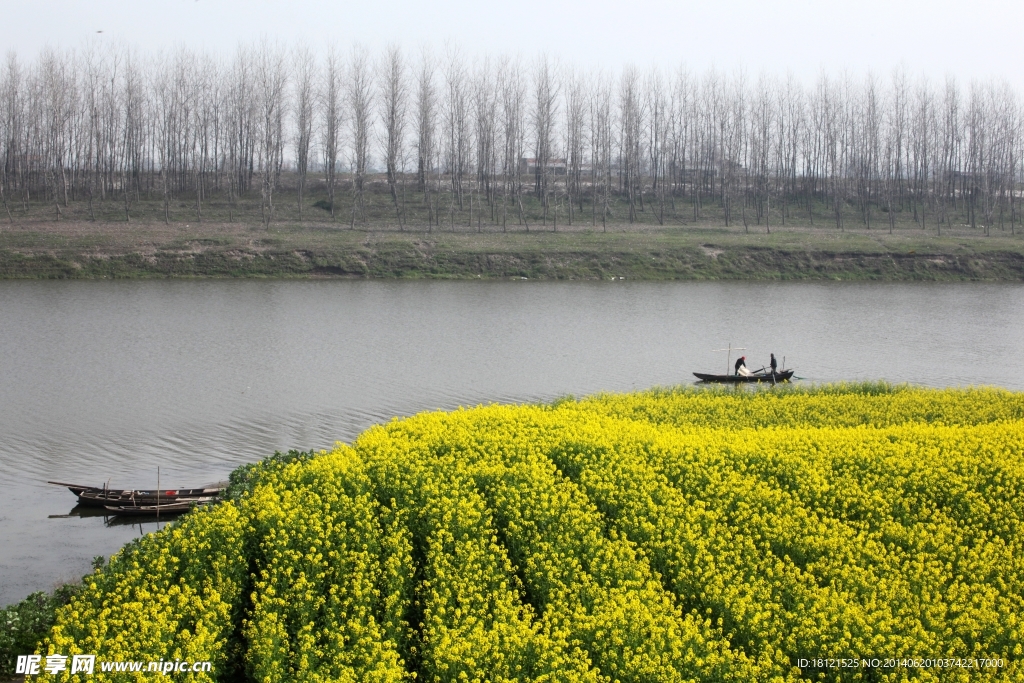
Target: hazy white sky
[969,38]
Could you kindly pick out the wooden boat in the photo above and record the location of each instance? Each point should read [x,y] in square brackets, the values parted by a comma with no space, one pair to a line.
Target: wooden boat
[99,496]
[765,377]
[176,508]
[135,498]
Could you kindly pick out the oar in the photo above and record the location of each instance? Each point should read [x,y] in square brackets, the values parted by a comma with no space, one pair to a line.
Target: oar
[773,374]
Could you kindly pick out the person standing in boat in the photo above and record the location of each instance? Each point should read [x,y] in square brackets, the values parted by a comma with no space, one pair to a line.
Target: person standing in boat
[774,364]
[741,362]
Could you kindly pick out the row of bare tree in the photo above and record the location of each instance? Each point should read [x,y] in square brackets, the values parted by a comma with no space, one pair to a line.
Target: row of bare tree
[481,136]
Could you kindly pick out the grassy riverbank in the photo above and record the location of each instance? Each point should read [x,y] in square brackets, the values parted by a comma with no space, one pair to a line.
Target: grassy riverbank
[96,250]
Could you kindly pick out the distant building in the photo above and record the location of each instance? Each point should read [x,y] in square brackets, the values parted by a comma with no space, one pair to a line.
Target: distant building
[529,165]
[972,180]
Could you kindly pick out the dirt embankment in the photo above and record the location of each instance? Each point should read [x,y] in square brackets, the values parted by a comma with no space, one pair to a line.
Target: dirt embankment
[157,251]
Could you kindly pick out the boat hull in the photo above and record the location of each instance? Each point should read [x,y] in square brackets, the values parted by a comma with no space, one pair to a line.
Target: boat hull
[768,378]
[97,496]
[175,508]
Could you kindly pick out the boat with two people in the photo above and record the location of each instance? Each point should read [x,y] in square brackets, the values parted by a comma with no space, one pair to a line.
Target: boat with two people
[742,374]
[759,376]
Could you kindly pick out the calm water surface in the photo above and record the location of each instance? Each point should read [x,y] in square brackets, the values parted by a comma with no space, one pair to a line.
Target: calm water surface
[106,381]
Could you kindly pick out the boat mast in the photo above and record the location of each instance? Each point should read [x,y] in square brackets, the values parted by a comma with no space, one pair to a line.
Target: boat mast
[728,357]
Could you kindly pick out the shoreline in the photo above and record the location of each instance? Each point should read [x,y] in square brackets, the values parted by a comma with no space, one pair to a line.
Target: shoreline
[86,250]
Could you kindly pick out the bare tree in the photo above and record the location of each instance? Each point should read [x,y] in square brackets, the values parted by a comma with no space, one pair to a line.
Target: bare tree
[271,79]
[59,95]
[304,98]
[1008,141]
[657,128]
[331,113]
[761,141]
[455,114]
[575,143]
[166,107]
[240,127]
[545,110]
[513,126]
[973,176]
[631,124]
[94,139]
[394,101]
[485,100]
[952,150]
[360,102]
[922,130]
[709,110]
[206,124]
[869,149]
[602,141]
[681,123]
[890,172]
[732,130]
[898,138]
[12,101]
[132,138]
[426,127]
[830,123]
[790,121]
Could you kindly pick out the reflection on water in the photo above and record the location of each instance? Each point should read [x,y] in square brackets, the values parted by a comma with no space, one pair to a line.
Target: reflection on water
[103,382]
[113,519]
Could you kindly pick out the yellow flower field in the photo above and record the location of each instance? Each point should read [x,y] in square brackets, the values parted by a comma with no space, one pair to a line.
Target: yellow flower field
[838,533]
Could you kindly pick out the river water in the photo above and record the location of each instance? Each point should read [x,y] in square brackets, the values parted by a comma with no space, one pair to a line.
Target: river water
[107,381]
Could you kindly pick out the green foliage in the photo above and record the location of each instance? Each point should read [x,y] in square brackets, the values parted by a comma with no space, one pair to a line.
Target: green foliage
[24,624]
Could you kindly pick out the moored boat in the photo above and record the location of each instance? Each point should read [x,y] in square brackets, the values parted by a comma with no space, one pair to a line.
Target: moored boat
[100,496]
[176,508]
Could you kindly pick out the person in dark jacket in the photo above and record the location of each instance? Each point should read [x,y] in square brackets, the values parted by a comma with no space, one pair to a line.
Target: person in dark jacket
[774,364]
[741,362]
